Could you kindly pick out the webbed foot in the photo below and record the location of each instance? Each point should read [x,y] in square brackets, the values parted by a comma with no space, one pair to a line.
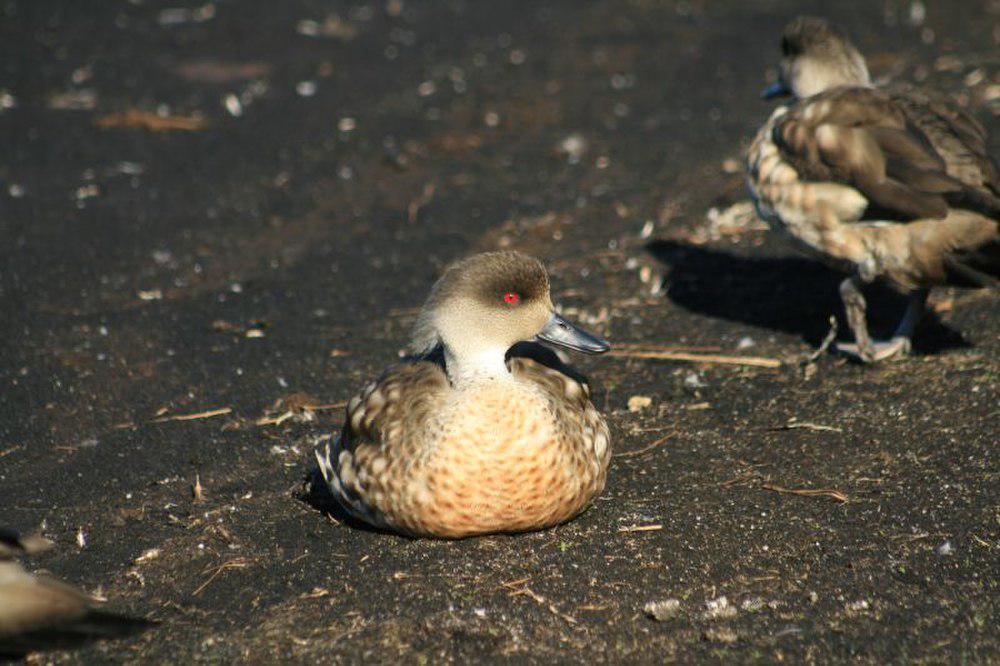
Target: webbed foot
[875,350]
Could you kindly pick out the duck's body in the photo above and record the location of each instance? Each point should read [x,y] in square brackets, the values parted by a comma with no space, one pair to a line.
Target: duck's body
[424,457]
[884,184]
[461,442]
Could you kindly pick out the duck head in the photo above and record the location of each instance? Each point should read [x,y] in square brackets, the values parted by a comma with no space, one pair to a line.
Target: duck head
[816,56]
[485,304]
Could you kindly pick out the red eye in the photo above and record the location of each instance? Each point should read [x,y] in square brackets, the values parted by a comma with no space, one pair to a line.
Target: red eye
[511,298]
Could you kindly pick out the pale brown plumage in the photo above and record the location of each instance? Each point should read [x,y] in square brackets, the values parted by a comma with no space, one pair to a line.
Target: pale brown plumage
[457,441]
[40,613]
[894,183]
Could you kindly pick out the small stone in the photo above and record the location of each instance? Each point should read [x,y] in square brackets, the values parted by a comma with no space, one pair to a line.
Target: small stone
[857,606]
[637,403]
[945,548]
[719,609]
[233,105]
[150,295]
[662,610]
[694,381]
[721,635]
[147,555]
[573,146]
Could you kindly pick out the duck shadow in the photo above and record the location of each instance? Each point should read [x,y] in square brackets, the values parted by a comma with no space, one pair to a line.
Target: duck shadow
[794,295]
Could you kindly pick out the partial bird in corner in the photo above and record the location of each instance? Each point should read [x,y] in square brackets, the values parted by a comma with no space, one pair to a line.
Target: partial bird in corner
[481,430]
[39,613]
[887,183]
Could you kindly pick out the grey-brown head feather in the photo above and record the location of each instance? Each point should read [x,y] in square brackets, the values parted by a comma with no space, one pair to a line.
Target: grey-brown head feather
[486,277]
[818,56]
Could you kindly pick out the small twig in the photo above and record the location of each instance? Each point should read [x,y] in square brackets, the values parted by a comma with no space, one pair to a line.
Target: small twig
[640,528]
[332,405]
[274,420]
[425,197]
[917,537]
[649,447]
[982,541]
[742,478]
[192,417]
[284,416]
[825,345]
[138,119]
[664,348]
[238,563]
[754,361]
[515,584]
[197,492]
[807,492]
[7,452]
[805,425]
[542,601]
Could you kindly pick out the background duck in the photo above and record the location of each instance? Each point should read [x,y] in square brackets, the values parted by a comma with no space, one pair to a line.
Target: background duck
[894,184]
[38,613]
[466,437]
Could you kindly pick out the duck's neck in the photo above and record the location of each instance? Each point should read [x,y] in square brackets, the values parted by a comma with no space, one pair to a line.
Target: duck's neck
[467,366]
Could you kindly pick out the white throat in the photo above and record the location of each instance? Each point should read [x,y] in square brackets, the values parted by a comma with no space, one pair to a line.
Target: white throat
[483,364]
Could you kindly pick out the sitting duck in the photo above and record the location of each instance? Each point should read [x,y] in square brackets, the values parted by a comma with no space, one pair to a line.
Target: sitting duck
[478,431]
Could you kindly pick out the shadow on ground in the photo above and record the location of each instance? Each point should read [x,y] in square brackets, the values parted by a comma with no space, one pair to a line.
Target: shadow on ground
[791,294]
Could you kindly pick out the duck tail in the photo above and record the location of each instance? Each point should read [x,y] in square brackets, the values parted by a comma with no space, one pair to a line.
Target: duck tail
[976,268]
[325,466]
[976,199]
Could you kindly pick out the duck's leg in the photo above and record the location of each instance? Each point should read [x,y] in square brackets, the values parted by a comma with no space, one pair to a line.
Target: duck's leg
[864,348]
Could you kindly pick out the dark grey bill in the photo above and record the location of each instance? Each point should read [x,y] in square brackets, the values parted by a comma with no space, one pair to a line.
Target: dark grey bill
[777,89]
[560,332]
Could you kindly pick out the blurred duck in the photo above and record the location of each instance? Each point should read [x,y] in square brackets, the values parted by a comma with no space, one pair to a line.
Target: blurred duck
[475,433]
[39,613]
[892,184]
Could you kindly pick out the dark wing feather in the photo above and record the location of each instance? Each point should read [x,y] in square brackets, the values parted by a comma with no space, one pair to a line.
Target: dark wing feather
[957,136]
[869,140]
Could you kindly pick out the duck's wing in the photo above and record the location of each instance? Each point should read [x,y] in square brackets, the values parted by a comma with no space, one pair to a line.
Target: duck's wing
[866,139]
[379,441]
[546,356]
[578,419]
[39,613]
[960,139]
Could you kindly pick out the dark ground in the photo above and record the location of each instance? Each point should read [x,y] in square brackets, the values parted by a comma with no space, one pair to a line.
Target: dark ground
[134,263]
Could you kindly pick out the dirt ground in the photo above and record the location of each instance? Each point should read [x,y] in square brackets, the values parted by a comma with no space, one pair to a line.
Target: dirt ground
[208,207]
